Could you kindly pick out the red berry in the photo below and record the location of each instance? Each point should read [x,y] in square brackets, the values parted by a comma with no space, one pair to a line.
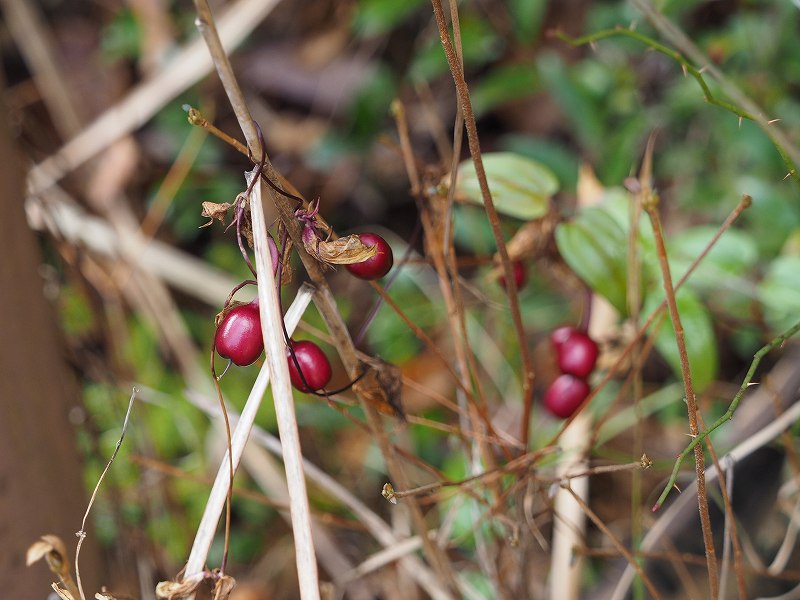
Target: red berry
[313,363]
[520,275]
[376,266]
[565,395]
[577,355]
[561,335]
[238,335]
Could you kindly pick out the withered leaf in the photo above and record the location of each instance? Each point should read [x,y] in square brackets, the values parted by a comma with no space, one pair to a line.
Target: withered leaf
[224,587]
[53,550]
[62,593]
[382,387]
[388,493]
[344,251]
[221,314]
[213,210]
[169,590]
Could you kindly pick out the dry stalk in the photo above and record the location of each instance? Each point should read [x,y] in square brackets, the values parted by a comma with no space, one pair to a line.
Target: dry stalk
[650,203]
[465,104]
[324,299]
[216,500]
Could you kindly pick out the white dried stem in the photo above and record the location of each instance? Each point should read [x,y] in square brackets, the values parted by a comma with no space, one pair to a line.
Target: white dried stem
[378,528]
[272,330]
[216,500]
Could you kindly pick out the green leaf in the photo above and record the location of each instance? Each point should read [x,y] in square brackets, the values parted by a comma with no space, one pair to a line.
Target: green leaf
[521,187]
[594,245]
[732,255]
[779,293]
[698,332]
[504,84]
[376,17]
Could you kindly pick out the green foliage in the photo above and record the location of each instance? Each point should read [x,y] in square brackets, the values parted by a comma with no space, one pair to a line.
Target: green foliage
[377,17]
[121,37]
[595,246]
[521,187]
[779,292]
[481,44]
[701,344]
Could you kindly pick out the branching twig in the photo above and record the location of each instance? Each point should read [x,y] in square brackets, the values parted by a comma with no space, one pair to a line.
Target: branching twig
[776,342]
[787,153]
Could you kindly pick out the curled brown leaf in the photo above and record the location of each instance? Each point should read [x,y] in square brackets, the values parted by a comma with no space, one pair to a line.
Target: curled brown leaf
[343,251]
[213,210]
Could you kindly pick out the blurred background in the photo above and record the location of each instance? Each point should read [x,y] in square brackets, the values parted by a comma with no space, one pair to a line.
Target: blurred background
[109,280]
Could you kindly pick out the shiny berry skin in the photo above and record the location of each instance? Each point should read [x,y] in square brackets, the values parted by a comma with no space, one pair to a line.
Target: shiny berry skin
[565,395]
[238,335]
[561,335]
[314,364]
[520,275]
[577,355]
[376,266]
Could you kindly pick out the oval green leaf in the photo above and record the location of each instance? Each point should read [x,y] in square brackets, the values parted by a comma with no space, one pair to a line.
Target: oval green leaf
[521,187]
[698,333]
[594,245]
[779,293]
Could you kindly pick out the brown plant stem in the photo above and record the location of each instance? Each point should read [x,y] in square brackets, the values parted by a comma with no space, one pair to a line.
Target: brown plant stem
[687,558]
[650,203]
[465,104]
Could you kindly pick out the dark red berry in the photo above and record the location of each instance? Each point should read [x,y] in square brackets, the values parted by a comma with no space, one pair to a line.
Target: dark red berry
[565,395]
[561,335]
[376,266]
[238,335]
[577,355]
[520,275]
[314,364]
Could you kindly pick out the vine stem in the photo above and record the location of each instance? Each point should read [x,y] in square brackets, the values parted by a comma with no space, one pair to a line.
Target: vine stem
[650,203]
[465,103]
[787,152]
[766,349]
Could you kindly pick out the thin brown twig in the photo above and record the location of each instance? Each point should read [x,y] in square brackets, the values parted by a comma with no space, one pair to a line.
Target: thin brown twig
[687,558]
[650,203]
[465,104]
[614,541]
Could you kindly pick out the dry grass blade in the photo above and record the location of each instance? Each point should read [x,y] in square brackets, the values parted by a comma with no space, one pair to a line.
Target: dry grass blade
[82,533]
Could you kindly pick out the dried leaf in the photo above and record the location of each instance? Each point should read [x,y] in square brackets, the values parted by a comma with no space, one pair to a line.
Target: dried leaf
[382,387]
[171,590]
[224,587]
[344,251]
[212,210]
[221,314]
[62,593]
[53,550]
[388,493]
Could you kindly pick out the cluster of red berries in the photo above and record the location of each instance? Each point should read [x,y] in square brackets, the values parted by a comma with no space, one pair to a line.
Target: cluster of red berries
[239,339]
[576,355]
